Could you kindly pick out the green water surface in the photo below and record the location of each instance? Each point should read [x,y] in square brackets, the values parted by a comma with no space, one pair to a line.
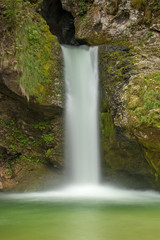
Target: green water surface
[78,221]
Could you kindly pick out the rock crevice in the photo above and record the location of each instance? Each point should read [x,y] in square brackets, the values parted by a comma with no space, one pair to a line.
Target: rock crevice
[60,21]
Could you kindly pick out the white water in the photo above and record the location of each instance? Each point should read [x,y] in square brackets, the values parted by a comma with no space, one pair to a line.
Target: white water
[82,141]
[82,148]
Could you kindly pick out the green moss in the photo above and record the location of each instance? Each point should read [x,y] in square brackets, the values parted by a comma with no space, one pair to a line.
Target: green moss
[156,5]
[149,34]
[82,6]
[156,177]
[48,138]
[36,51]
[41,125]
[153,160]
[31,158]
[15,137]
[34,59]
[12,13]
[147,108]
[29,144]
[138,4]
[9,168]
[107,126]
[49,152]
[115,68]
[120,152]
[150,138]
[108,139]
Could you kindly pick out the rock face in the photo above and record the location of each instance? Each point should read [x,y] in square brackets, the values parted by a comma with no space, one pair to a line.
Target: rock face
[60,21]
[31,123]
[129,135]
[27,134]
[101,22]
[30,55]
[129,61]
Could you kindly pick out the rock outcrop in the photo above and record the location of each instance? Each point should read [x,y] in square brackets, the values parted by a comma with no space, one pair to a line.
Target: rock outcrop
[60,21]
[31,123]
[101,22]
[129,60]
[129,115]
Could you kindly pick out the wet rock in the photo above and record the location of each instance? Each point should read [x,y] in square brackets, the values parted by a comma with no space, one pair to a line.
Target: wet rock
[60,21]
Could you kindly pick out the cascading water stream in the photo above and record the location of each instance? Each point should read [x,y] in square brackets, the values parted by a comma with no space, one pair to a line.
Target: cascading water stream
[82,137]
[82,141]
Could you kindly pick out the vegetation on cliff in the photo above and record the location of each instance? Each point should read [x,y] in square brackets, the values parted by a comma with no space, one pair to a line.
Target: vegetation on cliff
[130,97]
[30,151]
[30,133]
[35,52]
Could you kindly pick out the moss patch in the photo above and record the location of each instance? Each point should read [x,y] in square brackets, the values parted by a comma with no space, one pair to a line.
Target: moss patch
[138,4]
[146,109]
[36,51]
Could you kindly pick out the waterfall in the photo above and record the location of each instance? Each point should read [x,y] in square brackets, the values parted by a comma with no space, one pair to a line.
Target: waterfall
[81,118]
[82,138]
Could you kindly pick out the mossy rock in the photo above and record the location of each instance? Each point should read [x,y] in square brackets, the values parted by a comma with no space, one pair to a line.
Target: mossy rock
[130,148]
[36,55]
[138,4]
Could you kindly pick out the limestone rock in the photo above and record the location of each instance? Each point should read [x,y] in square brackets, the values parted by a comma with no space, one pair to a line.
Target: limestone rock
[130,112]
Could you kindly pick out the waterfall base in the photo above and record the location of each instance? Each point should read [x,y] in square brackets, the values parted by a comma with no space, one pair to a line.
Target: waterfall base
[109,194]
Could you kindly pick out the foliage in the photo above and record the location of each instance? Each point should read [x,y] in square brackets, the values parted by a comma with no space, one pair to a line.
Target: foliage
[41,125]
[156,5]
[149,34]
[9,167]
[12,12]
[48,138]
[31,158]
[33,143]
[82,6]
[49,152]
